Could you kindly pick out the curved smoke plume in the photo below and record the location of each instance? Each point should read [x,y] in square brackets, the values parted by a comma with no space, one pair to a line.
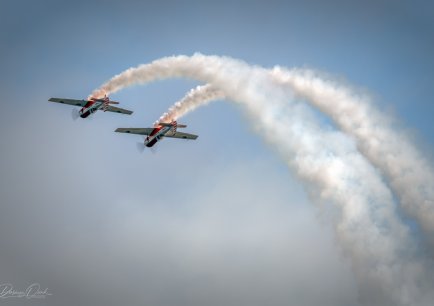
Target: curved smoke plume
[409,173]
[367,226]
[199,96]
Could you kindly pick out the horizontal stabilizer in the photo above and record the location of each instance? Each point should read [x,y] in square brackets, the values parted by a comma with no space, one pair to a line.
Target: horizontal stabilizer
[170,124]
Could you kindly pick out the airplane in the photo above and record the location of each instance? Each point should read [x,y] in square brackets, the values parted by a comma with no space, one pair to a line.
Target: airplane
[92,105]
[158,132]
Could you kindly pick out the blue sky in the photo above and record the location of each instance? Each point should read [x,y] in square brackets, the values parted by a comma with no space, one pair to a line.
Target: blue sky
[383,46]
[85,215]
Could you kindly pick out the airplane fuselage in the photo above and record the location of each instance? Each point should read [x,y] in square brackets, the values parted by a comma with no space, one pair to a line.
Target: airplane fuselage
[90,108]
[156,135]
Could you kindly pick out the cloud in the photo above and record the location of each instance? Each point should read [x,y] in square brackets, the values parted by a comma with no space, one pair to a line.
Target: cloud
[192,245]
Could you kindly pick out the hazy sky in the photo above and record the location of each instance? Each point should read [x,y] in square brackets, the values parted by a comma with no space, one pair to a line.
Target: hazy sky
[218,221]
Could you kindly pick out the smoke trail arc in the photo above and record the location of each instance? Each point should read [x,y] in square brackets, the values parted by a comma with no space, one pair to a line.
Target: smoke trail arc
[409,173]
[367,227]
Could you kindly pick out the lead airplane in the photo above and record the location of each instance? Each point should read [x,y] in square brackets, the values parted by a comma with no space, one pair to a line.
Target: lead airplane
[158,132]
[92,105]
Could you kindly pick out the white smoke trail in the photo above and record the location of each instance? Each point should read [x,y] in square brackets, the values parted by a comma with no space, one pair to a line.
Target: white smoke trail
[199,96]
[367,225]
[410,174]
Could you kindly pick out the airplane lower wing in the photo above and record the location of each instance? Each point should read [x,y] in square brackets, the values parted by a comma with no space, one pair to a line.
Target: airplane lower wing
[181,135]
[138,131]
[118,110]
[69,101]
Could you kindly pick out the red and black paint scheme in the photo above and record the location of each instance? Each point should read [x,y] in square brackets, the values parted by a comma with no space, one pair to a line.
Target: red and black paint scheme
[152,138]
[94,104]
[160,131]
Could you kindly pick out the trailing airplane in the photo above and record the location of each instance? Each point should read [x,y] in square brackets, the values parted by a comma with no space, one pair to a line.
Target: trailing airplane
[92,105]
[160,131]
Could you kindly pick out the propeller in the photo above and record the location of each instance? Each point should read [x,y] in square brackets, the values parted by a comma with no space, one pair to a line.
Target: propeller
[140,147]
[75,114]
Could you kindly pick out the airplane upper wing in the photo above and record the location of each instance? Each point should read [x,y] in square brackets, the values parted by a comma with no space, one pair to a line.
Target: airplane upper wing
[69,101]
[181,135]
[118,110]
[139,131]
